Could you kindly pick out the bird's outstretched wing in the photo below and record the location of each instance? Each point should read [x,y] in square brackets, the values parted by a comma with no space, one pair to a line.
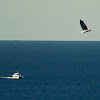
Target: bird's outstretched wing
[84,27]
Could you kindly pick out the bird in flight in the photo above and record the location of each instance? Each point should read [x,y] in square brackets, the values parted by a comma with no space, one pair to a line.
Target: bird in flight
[84,27]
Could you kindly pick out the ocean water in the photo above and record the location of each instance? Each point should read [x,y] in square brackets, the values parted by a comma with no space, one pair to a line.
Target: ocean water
[52,70]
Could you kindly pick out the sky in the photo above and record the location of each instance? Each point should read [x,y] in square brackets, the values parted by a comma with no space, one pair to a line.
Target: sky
[49,20]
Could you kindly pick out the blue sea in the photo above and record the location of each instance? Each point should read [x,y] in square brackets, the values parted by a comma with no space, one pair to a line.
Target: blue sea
[52,70]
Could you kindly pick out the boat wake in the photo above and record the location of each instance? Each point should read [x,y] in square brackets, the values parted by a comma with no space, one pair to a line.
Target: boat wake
[7,77]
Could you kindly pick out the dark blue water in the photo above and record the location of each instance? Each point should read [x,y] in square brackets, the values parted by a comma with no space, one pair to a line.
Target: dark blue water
[52,70]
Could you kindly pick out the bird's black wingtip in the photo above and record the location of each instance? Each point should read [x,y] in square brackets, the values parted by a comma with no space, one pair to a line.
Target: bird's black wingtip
[81,20]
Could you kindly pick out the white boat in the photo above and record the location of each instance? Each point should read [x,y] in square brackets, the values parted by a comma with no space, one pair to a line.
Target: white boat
[17,76]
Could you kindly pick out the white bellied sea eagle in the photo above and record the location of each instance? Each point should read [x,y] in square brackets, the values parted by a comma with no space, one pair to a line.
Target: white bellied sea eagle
[84,27]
